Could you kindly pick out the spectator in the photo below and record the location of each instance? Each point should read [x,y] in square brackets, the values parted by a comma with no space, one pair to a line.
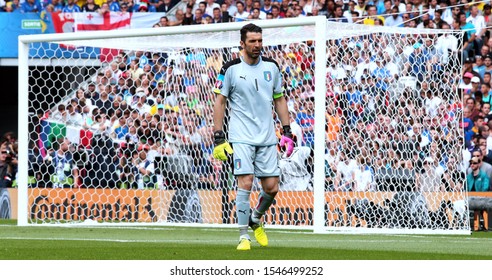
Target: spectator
[470,41]
[140,104]
[164,7]
[477,180]
[453,177]
[104,103]
[479,66]
[71,7]
[142,59]
[198,18]
[417,62]
[135,70]
[179,16]
[354,105]
[347,13]
[230,8]
[371,15]
[56,6]
[188,15]
[382,79]
[30,6]
[394,19]
[305,119]
[438,20]
[124,168]
[429,180]
[241,13]
[380,7]
[267,6]
[361,7]
[345,173]
[255,14]
[61,114]
[484,166]
[210,6]
[257,5]
[363,176]
[144,7]
[90,6]
[12,6]
[91,94]
[202,167]
[74,117]
[487,154]
[447,11]
[488,64]
[478,21]
[100,124]
[144,169]
[124,7]
[63,171]
[8,164]
[486,113]
[216,16]
[338,15]
[114,6]
[486,12]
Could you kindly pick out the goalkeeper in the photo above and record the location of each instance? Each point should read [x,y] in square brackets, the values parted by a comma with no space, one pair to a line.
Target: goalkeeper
[250,84]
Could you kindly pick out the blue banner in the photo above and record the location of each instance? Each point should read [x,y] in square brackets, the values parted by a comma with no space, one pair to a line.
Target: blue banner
[12,25]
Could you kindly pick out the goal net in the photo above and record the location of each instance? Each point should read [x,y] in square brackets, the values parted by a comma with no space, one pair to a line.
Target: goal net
[118,128]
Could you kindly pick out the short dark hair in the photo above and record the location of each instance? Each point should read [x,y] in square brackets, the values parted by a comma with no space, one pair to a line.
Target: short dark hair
[477,117]
[476,149]
[250,27]
[368,6]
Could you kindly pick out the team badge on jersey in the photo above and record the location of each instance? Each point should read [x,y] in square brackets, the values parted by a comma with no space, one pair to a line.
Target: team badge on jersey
[267,75]
[237,164]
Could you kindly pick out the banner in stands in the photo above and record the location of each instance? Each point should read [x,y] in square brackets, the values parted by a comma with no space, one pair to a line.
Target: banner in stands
[13,25]
[50,131]
[204,206]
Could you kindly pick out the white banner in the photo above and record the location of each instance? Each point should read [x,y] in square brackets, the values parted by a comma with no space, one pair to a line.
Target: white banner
[114,20]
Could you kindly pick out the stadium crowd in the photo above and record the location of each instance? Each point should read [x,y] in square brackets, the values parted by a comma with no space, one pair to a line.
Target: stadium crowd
[413,109]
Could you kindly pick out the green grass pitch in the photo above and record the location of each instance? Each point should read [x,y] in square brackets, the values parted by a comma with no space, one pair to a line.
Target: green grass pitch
[184,243]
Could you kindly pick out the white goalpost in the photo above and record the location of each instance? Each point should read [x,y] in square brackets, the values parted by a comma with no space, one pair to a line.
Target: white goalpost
[377,111]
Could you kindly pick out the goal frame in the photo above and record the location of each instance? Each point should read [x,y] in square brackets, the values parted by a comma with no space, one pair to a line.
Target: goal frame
[320,25]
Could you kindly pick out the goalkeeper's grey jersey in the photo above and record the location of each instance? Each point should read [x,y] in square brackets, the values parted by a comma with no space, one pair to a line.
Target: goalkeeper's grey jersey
[250,90]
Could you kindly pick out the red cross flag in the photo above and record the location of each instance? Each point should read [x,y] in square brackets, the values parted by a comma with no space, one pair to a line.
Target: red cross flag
[111,21]
[106,21]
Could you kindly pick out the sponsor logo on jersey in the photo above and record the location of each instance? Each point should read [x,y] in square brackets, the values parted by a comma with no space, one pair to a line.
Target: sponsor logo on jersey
[267,75]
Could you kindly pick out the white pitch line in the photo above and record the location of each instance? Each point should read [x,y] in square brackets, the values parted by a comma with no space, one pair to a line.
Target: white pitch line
[465,241]
[117,240]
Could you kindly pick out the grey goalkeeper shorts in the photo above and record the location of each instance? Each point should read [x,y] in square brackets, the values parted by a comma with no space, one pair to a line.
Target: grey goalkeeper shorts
[261,161]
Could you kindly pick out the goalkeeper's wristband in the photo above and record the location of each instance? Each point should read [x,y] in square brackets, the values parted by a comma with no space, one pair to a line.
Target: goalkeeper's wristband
[287,132]
[219,137]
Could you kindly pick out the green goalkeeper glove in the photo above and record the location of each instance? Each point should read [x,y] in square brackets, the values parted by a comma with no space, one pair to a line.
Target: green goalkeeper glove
[221,146]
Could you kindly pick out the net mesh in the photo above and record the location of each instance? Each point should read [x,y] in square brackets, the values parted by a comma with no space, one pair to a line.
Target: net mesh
[131,140]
